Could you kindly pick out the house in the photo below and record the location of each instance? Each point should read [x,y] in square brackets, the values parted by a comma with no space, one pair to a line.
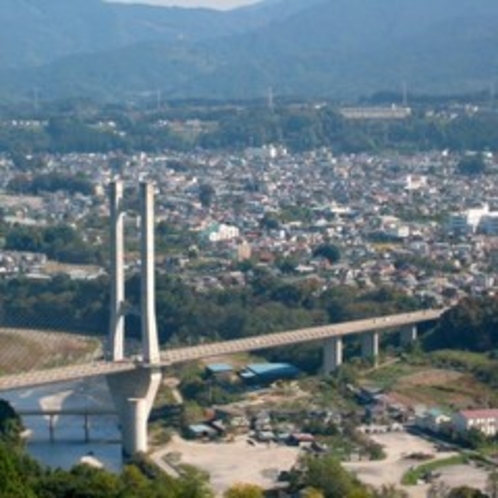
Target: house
[301,438]
[235,419]
[221,372]
[433,420]
[202,431]
[485,420]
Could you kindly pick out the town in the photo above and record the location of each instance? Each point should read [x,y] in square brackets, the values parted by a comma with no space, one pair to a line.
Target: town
[421,224]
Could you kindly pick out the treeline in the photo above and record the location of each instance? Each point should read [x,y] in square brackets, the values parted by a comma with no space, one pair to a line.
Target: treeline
[49,182]
[472,325]
[186,316]
[299,128]
[308,128]
[62,243]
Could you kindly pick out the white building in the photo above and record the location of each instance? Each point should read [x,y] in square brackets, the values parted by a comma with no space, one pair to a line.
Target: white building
[219,232]
[489,223]
[485,420]
[468,221]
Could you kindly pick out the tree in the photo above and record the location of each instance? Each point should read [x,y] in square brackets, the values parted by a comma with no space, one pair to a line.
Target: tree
[472,165]
[206,195]
[328,251]
[12,485]
[438,489]
[466,492]
[10,423]
[327,475]
[24,239]
[492,484]
[269,222]
[389,491]
[82,481]
[475,438]
[194,483]
[243,490]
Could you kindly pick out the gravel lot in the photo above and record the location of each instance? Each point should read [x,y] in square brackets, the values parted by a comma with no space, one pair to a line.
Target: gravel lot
[464,475]
[234,462]
[398,445]
[239,461]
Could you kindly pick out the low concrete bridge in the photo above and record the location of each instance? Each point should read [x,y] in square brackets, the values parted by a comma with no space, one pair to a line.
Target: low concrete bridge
[52,415]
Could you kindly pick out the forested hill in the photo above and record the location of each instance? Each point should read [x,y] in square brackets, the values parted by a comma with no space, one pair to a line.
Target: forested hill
[326,48]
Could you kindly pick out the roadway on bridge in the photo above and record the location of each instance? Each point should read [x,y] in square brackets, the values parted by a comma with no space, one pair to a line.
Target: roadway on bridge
[192,353]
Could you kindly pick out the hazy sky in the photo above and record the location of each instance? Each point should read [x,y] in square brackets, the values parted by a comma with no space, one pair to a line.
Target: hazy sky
[215,4]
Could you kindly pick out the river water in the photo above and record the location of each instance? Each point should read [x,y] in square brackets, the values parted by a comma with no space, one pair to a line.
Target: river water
[69,446]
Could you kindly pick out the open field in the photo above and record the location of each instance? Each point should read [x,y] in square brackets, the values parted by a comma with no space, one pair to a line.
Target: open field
[54,268]
[464,475]
[26,349]
[233,462]
[398,446]
[415,385]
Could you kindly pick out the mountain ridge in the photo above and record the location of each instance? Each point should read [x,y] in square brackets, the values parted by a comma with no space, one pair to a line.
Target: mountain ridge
[323,48]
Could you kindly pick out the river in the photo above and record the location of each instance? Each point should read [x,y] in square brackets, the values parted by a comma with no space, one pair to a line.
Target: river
[69,446]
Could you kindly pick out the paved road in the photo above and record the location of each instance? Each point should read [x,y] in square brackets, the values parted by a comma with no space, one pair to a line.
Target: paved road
[186,354]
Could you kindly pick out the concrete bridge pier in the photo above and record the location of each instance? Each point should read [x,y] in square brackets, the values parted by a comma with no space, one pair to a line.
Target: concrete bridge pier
[408,335]
[51,428]
[133,394]
[332,354]
[86,428]
[370,347]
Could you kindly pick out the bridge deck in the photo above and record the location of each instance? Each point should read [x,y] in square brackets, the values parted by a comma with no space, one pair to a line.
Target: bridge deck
[65,412]
[298,336]
[185,354]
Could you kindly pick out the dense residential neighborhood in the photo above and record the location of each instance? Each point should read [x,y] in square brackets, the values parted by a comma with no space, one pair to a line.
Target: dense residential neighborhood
[411,222]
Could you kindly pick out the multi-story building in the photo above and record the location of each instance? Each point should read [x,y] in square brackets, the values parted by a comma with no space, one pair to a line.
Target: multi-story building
[485,420]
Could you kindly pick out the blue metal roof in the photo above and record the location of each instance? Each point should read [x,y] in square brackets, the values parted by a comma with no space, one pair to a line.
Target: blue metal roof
[219,367]
[272,369]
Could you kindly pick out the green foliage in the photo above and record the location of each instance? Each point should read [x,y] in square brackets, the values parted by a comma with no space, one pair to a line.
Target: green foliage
[206,194]
[412,476]
[62,243]
[50,182]
[10,424]
[325,474]
[474,438]
[299,128]
[470,325]
[492,484]
[328,251]
[472,165]
[243,491]
[466,492]
[389,491]
[21,477]
[184,316]
[60,303]
[12,483]
[81,481]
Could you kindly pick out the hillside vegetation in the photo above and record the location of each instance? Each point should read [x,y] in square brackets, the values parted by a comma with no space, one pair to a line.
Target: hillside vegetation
[327,48]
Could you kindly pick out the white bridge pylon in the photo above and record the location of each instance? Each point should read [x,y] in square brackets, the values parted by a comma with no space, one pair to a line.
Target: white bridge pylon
[133,391]
[150,343]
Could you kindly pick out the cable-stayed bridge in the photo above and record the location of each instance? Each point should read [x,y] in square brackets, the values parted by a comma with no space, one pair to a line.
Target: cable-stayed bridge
[169,357]
[134,381]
